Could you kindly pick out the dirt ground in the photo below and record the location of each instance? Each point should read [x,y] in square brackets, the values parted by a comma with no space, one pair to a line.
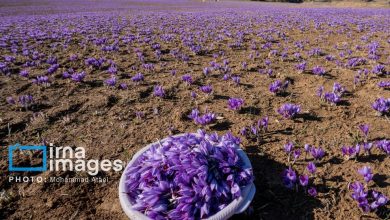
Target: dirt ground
[103,119]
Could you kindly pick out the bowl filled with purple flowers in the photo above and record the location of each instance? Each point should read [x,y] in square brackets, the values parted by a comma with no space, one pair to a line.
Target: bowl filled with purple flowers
[188,176]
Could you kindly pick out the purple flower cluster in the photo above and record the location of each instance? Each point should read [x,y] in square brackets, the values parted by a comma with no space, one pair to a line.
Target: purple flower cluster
[24,101]
[368,200]
[333,97]
[205,119]
[291,181]
[278,87]
[289,110]
[317,70]
[158,91]
[384,84]
[382,106]
[187,177]
[207,89]
[235,104]
[255,130]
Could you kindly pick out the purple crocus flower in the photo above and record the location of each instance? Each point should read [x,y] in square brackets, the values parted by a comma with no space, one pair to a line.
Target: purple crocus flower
[278,87]
[288,147]
[206,71]
[25,100]
[187,79]
[311,167]
[350,151]
[366,173]
[296,154]
[289,178]
[332,98]
[78,77]
[364,128]
[159,91]
[235,104]
[24,73]
[10,100]
[317,70]
[263,123]
[382,105]
[379,69]
[317,153]
[312,191]
[384,145]
[236,80]
[138,77]
[111,81]
[301,67]
[304,180]
[379,200]
[123,86]
[42,80]
[384,84]
[206,89]
[205,119]
[289,110]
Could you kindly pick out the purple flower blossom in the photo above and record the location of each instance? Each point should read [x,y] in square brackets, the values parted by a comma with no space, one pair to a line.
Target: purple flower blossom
[123,86]
[159,91]
[364,128]
[263,123]
[379,69]
[138,77]
[10,100]
[111,81]
[78,77]
[366,173]
[193,95]
[317,153]
[289,110]
[236,80]
[25,101]
[384,145]
[235,104]
[206,71]
[384,84]
[42,80]
[304,180]
[350,151]
[289,178]
[288,147]
[187,79]
[311,167]
[312,191]
[278,87]
[332,98]
[382,106]
[206,89]
[296,154]
[24,73]
[317,70]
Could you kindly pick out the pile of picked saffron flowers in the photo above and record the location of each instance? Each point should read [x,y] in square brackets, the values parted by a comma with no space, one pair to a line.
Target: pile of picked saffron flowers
[192,176]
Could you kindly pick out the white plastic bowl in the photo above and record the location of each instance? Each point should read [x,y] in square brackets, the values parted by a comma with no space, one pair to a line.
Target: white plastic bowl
[236,206]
